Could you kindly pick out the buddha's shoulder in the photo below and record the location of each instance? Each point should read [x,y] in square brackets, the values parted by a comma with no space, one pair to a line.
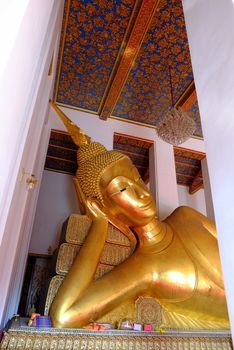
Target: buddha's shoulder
[184,211]
[198,234]
[192,218]
[190,224]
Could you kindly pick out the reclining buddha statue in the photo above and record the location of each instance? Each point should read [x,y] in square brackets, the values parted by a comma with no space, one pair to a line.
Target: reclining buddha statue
[175,261]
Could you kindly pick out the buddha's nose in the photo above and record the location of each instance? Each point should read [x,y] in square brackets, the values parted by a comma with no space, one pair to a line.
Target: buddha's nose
[141,193]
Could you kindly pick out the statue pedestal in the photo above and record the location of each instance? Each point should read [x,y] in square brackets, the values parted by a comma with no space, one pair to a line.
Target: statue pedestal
[23,337]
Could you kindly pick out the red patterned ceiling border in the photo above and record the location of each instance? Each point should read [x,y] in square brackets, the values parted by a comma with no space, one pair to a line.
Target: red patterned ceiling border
[75,108]
[192,152]
[188,98]
[134,137]
[121,51]
[138,32]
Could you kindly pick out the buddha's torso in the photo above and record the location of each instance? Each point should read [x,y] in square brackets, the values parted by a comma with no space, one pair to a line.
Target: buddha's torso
[179,275]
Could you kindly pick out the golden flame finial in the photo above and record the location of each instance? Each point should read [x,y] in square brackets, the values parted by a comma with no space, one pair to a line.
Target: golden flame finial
[78,135]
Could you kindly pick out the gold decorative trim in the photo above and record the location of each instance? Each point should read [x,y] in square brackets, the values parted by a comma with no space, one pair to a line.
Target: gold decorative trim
[78,339]
[188,97]
[130,53]
[148,310]
[76,108]
[120,54]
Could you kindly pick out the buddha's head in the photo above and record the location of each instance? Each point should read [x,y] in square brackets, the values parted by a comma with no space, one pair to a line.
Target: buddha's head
[112,179]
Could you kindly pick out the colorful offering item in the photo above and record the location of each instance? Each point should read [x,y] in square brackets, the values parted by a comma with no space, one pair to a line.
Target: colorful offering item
[98,326]
[147,327]
[34,315]
[30,321]
[159,329]
[126,325]
[137,327]
[42,321]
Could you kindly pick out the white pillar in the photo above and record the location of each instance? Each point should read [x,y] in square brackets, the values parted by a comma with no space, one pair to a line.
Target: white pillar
[207,190]
[163,183]
[210,28]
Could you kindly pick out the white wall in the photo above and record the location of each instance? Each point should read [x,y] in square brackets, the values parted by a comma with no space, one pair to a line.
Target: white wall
[102,131]
[162,176]
[25,87]
[210,27]
[195,201]
[57,200]
[207,190]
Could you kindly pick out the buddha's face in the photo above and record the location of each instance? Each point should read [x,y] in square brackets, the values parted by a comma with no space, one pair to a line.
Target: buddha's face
[126,195]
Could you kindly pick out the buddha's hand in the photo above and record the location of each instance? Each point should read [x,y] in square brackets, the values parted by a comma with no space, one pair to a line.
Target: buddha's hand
[94,211]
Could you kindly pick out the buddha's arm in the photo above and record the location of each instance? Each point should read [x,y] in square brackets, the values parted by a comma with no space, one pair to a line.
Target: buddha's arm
[84,267]
[208,224]
[198,234]
[124,282]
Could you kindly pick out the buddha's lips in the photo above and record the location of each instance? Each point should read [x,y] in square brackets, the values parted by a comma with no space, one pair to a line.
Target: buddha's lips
[146,206]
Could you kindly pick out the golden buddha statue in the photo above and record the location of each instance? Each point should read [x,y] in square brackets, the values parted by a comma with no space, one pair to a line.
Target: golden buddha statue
[175,261]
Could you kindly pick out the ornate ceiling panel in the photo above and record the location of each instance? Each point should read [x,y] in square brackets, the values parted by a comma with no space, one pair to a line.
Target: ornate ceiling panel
[115,58]
[165,45]
[93,34]
[61,157]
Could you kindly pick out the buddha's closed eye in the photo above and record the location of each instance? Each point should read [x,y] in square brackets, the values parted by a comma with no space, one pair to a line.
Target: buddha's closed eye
[123,189]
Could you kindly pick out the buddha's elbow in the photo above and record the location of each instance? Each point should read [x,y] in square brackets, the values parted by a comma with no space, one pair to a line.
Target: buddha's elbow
[58,320]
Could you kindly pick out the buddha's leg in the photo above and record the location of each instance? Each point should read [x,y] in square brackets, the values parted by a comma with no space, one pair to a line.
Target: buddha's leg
[126,281]
[83,269]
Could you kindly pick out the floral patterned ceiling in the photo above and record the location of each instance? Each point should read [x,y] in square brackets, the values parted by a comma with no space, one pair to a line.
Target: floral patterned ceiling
[115,58]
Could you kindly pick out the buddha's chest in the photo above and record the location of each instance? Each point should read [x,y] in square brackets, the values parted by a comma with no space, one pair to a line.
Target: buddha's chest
[173,273]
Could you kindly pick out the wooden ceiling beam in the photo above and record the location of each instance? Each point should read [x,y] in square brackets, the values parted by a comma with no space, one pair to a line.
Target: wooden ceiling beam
[130,52]
[197,183]
[145,177]
[188,98]
[186,165]
[185,175]
[62,159]
[132,153]
[62,147]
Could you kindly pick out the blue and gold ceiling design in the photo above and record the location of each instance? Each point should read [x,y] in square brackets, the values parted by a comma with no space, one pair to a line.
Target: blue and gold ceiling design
[61,157]
[115,57]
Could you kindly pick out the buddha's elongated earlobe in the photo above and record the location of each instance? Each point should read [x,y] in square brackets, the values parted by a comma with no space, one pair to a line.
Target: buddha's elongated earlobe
[85,203]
